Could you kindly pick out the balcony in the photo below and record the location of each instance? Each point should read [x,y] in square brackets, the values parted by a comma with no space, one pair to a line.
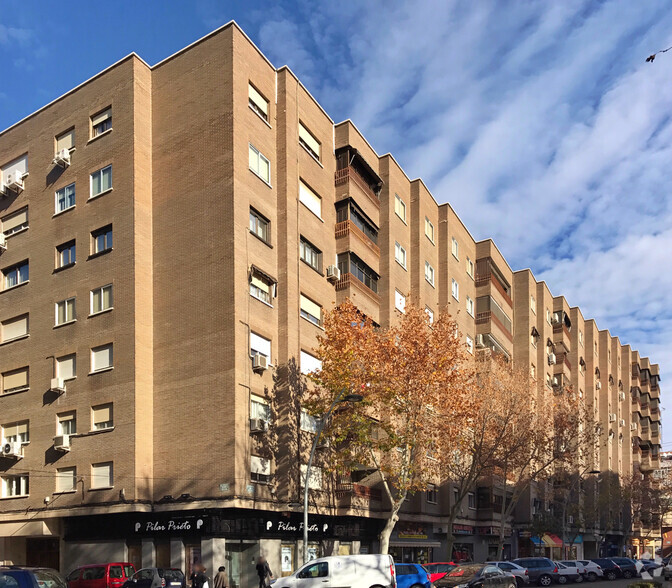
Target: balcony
[489,316]
[347,280]
[563,359]
[349,174]
[561,328]
[485,277]
[346,228]
[353,495]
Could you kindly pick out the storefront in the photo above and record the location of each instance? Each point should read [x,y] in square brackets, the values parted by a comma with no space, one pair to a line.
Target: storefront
[414,543]
[491,536]
[463,546]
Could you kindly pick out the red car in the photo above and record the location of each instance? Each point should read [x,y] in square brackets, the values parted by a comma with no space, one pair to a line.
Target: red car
[439,570]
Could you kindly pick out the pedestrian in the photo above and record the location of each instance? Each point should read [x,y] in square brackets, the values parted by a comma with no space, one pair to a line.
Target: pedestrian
[264,572]
[221,579]
[198,577]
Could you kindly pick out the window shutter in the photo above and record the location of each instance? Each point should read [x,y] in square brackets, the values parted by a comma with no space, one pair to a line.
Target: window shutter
[102,414]
[101,117]
[260,345]
[15,220]
[66,140]
[311,200]
[260,102]
[16,327]
[309,140]
[260,465]
[65,367]
[309,363]
[16,379]
[311,307]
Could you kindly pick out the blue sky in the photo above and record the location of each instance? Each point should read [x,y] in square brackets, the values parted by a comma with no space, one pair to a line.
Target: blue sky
[539,122]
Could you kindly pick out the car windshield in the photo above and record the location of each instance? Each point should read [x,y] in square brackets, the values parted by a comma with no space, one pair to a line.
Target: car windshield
[49,579]
[173,575]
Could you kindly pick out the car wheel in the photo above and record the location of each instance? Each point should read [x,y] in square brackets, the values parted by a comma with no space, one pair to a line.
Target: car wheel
[592,576]
[417,586]
[627,574]
[611,575]
[562,579]
[579,579]
[545,580]
[520,582]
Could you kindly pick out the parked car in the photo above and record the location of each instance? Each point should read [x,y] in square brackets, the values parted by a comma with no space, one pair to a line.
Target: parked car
[541,570]
[649,565]
[477,575]
[567,574]
[610,569]
[667,570]
[157,578]
[575,564]
[592,570]
[107,575]
[628,566]
[438,570]
[25,577]
[365,571]
[411,575]
[521,575]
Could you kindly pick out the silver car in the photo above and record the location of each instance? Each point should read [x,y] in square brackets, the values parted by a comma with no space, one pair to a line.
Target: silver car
[518,572]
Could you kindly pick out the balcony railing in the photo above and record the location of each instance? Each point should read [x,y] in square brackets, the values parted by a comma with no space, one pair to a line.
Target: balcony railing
[348,280]
[561,328]
[563,358]
[488,316]
[344,228]
[348,488]
[343,176]
[484,279]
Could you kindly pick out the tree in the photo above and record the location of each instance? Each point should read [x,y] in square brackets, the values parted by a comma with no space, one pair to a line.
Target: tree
[416,382]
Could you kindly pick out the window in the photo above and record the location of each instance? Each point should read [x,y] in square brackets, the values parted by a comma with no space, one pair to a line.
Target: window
[432,494]
[311,255]
[470,345]
[15,381]
[65,312]
[315,480]
[429,273]
[13,486]
[15,222]
[260,345]
[259,165]
[350,263]
[257,102]
[67,423]
[399,207]
[101,181]
[548,316]
[16,432]
[259,408]
[101,358]
[470,268]
[101,240]
[549,380]
[533,304]
[101,299]
[533,371]
[311,311]
[310,200]
[309,423]
[259,226]
[260,469]
[15,275]
[455,248]
[399,301]
[456,290]
[66,255]
[471,499]
[470,306]
[429,230]
[262,287]
[430,314]
[348,210]
[309,363]
[102,417]
[102,475]
[66,367]
[456,496]
[65,198]
[14,328]
[66,478]
[65,140]
[400,255]
[101,122]
[309,143]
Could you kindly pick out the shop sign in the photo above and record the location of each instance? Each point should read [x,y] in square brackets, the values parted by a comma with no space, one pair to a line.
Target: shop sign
[290,527]
[493,531]
[411,531]
[171,525]
[463,530]
[526,534]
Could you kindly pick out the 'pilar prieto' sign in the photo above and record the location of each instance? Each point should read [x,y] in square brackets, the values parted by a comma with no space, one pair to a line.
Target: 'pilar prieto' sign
[172,525]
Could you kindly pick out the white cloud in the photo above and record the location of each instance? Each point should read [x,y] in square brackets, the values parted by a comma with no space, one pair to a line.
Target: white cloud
[10,35]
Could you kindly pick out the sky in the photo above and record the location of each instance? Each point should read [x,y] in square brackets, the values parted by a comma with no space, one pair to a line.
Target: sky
[539,121]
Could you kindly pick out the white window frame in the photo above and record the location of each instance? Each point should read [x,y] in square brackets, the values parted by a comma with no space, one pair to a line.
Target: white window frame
[9,482]
[18,432]
[100,172]
[259,408]
[66,197]
[66,480]
[103,233]
[99,349]
[257,102]
[455,289]
[66,140]
[309,423]
[254,152]
[16,226]
[11,373]
[470,268]
[102,475]
[430,314]
[101,293]
[265,345]
[257,283]
[429,273]
[429,230]
[470,306]
[310,199]
[71,248]
[68,317]
[61,363]
[104,117]
[400,205]
[14,321]
[15,269]
[307,308]
[470,344]
[260,467]
[308,141]
[400,254]
[399,301]
[432,494]
[102,425]
[309,363]
[533,304]
[316,480]
[455,248]
[66,417]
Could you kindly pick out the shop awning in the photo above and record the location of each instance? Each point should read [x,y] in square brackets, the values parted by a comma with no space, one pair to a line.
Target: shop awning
[536,540]
[28,529]
[415,544]
[551,540]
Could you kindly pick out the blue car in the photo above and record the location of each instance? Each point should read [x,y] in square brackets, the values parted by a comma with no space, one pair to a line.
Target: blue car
[412,576]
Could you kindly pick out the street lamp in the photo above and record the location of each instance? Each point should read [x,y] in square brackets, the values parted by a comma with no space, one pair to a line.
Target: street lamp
[320,427]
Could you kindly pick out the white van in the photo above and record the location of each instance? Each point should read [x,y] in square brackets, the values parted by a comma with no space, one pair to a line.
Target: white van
[343,571]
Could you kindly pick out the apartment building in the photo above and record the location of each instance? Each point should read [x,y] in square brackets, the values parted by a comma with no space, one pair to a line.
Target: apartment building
[171,237]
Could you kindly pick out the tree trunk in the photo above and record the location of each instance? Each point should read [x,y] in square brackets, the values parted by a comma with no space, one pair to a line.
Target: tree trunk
[451,542]
[387,530]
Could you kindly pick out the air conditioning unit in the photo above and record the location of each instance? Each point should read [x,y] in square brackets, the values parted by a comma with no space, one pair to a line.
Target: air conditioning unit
[556,318]
[62,443]
[633,426]
[333,273]
[612,418]
[480,341]
[598,385]
[258,426]
[62,158]
[57,385]
[12,449]
[556,381]
[14,181]
[259,362]
[621,395]
[621,423]
[570,519]
[3,243]
[551,359]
